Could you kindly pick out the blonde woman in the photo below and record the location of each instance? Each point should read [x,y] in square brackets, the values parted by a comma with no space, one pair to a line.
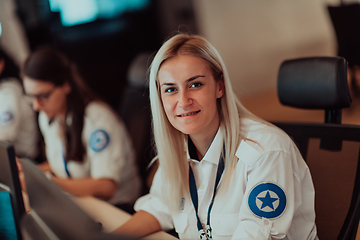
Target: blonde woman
[224,173]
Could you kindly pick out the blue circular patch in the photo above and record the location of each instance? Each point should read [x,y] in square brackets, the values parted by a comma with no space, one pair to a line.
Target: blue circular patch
[6,117]
[99,139]
[267,200]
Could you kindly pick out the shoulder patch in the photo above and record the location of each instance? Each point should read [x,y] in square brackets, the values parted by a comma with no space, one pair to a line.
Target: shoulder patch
[267,200]
[99,140]
[6,117]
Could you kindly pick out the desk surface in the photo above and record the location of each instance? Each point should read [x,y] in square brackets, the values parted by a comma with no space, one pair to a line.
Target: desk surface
[111,217]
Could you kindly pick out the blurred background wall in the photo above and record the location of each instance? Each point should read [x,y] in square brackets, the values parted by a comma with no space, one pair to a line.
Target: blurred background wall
[253,37]
[12,36]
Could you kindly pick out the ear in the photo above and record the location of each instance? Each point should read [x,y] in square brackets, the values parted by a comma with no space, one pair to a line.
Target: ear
[220,87]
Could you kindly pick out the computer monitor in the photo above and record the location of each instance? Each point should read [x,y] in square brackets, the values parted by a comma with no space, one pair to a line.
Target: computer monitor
[57,211]
[8,225]
[10,186]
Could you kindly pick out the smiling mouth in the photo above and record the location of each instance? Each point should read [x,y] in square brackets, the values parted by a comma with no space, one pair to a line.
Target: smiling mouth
[188,114]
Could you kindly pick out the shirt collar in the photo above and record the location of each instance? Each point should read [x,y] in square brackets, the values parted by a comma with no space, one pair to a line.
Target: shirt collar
[68,121]
[212,155]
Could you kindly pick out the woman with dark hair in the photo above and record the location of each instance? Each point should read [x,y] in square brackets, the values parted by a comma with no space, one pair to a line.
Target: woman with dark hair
[17,120]
[88,149]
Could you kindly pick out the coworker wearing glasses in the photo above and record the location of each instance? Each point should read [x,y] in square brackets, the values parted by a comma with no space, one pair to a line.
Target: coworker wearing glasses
[223,173]
[17,120]
[88,149]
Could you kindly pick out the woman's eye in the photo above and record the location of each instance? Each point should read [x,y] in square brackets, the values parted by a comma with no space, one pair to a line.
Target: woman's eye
[169,90]
[195,84]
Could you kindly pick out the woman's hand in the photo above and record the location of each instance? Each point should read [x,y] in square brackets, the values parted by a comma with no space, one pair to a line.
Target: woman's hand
[44,167]
[23,185]
[21,174]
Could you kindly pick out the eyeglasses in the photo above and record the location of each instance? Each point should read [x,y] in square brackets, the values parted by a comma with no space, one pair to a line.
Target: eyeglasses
[40,97]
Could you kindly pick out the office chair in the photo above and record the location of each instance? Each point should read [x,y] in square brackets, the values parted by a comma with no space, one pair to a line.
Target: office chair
[135,112]
[331,149]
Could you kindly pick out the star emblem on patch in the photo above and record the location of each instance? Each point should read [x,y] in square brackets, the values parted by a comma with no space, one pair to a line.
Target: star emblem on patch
[6,117]
[267,200]
[99,140]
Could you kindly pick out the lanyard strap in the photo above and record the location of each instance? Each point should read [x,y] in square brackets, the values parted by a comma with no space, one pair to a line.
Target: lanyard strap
[194,198]
[66,167]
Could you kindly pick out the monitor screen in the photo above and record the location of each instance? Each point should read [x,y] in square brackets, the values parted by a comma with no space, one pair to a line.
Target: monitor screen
[77,12]
[75,21]
[60,214]
[10,184]
[8,225]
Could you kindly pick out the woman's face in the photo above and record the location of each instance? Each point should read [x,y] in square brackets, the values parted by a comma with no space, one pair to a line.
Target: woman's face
[47,97]
[189,94]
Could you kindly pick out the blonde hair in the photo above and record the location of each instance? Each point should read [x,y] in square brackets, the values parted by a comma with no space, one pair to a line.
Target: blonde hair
[169,142]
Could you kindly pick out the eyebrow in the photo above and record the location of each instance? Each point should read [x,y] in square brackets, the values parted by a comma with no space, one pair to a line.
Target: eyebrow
[188,80]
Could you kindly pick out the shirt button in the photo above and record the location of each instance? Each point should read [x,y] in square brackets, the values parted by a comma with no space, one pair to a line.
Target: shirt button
[202,186]
[266,222]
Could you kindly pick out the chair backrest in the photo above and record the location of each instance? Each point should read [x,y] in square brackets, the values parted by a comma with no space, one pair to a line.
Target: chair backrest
[135,112]
[331,149]
[315,83]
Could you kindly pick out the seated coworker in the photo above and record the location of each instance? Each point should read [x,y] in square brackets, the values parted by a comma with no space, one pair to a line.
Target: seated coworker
[223,173]
[88,149]
[17,119]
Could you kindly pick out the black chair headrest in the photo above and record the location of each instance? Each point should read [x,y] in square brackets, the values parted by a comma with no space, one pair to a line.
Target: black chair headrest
[314,83]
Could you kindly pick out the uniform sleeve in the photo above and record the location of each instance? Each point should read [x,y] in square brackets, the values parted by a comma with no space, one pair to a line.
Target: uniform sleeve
[154,203]
[10,116]
[269,201]
[108,145]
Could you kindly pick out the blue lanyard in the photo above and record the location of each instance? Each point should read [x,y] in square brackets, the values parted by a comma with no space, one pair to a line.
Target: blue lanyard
[194,199]
[66,167]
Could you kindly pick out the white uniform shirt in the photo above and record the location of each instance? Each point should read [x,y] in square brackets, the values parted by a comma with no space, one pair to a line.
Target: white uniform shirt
[109,152]
[253,206]
[17,120]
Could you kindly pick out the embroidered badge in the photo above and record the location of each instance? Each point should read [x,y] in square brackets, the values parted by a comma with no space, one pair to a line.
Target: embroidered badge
[6,117]
[267,200]
[99,139]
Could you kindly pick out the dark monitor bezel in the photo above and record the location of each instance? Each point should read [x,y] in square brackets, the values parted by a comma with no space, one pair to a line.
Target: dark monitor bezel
[10,177]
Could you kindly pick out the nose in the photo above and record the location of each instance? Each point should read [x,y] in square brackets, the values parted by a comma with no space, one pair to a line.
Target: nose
[36,105]
[184,99]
